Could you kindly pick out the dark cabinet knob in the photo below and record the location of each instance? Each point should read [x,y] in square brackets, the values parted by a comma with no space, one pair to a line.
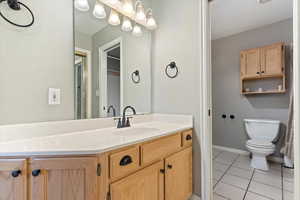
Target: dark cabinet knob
[224,116]
[16,173]
[188,137]
[36,172]
[232,116]
[262,72]
[169,166]
[162,171]
[257,72]
[126,160]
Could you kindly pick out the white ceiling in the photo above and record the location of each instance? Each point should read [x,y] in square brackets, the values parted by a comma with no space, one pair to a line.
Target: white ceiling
[230,17]
[86,23]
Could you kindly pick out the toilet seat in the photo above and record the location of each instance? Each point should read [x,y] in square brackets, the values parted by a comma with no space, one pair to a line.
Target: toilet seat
[260,143]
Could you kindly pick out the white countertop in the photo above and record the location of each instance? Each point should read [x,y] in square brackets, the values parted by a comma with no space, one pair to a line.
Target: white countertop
[92,141]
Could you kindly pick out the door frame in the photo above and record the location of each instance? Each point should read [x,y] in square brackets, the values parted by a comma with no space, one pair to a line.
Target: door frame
[206,96]
[88,54]
[103,75]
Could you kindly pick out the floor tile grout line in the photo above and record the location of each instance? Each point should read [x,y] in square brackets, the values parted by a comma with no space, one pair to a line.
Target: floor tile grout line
[249,184]
[226,171]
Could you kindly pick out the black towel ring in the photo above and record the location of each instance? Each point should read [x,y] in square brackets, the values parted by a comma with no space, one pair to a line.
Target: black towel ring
[135,76]
[172,66]
[15,5]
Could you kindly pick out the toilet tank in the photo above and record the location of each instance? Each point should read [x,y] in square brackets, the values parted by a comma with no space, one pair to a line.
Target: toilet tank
[262,129]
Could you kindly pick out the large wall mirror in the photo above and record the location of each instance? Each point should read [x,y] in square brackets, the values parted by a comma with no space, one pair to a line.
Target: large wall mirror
[72,63]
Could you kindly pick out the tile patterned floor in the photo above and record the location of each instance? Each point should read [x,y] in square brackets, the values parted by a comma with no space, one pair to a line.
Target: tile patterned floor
[234,179]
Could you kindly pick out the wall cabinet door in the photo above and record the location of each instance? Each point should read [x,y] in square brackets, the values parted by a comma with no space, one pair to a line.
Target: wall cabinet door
[64,179]
[178,177]
[250,63]
[272,59]
[147,184]
[13,179]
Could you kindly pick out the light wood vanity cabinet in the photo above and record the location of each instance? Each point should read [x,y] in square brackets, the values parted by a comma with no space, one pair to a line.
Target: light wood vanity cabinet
[13,179]
[160,169]
[64,178]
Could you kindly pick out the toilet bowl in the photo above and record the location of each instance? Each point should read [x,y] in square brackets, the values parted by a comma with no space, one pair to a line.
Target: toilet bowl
[262,134]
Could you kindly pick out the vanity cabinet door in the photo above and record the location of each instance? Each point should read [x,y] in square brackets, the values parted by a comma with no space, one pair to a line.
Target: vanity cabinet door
[13,179]
[250,63]
[178,178]
[147,184]
[64,179]
[272,59]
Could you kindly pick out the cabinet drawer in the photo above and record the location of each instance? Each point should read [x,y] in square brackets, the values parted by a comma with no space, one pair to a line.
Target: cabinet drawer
[187,138]
[156,150]
[124,162]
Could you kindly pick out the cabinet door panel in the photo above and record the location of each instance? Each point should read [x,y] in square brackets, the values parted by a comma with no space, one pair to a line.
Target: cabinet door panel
[65,179]
[13,188]
[147,184]
[272,60]
[250,63]
[178,180]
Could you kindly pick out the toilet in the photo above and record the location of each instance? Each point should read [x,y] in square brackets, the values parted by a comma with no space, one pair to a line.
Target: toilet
[262,134]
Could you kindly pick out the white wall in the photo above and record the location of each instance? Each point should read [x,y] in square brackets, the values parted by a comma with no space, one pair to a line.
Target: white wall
[176,39]
[83,41]
[31,56]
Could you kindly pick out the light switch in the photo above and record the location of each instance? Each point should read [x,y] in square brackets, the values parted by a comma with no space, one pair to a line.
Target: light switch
[54,96]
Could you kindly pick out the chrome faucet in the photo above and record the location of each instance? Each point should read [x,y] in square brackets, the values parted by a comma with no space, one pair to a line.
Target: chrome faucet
[114,110]
[125,122]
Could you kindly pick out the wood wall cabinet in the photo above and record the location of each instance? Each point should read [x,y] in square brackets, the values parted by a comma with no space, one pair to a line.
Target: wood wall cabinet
[250,63]
[13,179]
[263,63]
[64,179]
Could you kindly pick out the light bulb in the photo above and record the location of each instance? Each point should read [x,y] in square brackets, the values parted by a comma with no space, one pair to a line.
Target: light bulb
[114,18]
[126,26]
[113,2]
[82,5]
[151,23]
[140,11]
[128,7]
[137,31]
[99,11]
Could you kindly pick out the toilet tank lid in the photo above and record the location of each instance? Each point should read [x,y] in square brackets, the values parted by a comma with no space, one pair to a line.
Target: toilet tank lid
[262,121]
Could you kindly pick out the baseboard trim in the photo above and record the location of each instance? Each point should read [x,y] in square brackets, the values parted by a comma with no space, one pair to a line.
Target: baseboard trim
[232,150]
[195,197]
[246,153]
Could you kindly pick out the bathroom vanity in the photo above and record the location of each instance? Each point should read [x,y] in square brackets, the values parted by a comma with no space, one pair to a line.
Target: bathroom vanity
[148,161]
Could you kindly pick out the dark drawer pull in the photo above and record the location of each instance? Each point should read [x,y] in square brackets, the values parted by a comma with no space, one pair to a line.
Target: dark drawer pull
[169,166]
[36,172]
[16,173]
[188,137]
[126,160]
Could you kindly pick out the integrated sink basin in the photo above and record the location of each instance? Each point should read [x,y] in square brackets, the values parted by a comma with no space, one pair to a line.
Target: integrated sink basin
[134,131]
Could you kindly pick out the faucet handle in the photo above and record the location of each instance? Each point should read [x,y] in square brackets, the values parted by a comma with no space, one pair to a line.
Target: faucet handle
[128,121]
[119,122]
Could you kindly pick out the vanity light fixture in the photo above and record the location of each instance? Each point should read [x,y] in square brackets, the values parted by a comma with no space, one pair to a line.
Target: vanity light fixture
[140,11]
[128,7]
[126,26]
[99,11]
[114,18]
[137,31]
[151,23]
[82,5]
